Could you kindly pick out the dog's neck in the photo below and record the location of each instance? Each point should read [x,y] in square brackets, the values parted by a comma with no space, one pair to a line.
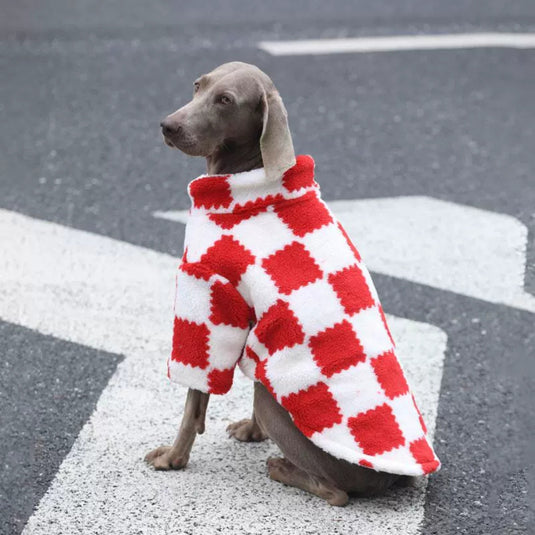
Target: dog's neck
[234,159]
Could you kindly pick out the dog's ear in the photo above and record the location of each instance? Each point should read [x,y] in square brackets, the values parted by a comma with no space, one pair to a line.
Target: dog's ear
[276,141]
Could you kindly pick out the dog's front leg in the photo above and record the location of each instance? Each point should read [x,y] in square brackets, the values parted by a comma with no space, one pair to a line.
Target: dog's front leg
[177,455]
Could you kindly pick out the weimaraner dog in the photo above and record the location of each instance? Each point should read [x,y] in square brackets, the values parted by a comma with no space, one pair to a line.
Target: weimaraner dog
[237,121]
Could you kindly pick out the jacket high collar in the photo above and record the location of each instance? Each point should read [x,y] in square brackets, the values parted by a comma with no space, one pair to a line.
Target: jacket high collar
[248,190]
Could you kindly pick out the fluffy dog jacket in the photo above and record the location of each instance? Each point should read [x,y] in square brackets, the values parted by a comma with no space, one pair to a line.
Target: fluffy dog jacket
[270,281]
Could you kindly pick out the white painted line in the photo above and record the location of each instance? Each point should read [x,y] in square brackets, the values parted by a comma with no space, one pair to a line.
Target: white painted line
[399,42]
[178,216]
[118,297]
[83,287]
[442,244]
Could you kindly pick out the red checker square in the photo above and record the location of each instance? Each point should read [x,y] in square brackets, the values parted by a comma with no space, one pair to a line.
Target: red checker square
[278,328]
[424,455]
[258,205]
[313,409]
[336,348]
[211,192]
[251,354]
[227,221]
[351,288]
[220,381]
[260,370]
[292,267]
[301,175]
[195,270]
[190,343]
[260,374]
[376,430]
[390,375]
[229,258]
[305,215]
[228,306]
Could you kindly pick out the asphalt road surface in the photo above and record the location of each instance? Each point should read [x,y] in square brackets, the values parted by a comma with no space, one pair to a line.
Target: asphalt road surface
[84,87]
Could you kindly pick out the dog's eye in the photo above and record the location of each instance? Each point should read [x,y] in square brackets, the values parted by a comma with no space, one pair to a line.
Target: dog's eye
[223,99]
[196,86]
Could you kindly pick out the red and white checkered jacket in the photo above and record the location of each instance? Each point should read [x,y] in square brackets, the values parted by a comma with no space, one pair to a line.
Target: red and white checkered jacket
[270,281]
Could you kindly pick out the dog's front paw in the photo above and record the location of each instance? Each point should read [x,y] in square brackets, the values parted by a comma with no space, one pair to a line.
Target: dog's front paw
[246,430]
[163,458]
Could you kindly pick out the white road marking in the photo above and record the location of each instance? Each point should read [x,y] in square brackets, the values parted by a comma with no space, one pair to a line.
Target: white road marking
[399,42]
[442,244]
[118,297]
[83,287]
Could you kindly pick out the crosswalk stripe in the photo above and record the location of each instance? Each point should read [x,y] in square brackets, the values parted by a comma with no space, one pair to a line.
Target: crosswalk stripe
[117,297]
[399,42]
[442,244]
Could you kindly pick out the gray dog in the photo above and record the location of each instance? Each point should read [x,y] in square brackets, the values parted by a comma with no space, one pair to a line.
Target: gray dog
[237,121]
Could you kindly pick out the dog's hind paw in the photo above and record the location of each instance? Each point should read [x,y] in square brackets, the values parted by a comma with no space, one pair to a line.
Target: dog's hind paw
[282,470]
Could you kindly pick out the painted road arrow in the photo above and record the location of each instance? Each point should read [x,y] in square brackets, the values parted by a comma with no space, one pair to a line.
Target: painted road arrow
[117,297]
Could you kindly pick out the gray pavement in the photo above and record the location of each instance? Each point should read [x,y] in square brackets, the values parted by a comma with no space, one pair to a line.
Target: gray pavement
[84,86]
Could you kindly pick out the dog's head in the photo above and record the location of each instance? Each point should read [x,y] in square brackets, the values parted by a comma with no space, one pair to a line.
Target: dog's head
[234,105]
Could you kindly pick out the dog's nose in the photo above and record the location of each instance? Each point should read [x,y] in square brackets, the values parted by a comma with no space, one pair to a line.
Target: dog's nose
[170,127]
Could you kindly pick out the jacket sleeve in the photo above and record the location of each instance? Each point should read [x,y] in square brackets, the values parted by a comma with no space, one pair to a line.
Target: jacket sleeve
[211,324]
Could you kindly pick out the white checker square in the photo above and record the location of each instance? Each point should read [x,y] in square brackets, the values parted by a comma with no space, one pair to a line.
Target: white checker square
[255,345]
[247,366]
[356,389]
[398,458]
[192,298]
[244,289]
[225,345]
[201,234]
[258,287]
[292,369]
[316,306]
[370,330]
[335,439]
[329,248]
[407,417]
[190,376]
[241,185]
[263,234]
